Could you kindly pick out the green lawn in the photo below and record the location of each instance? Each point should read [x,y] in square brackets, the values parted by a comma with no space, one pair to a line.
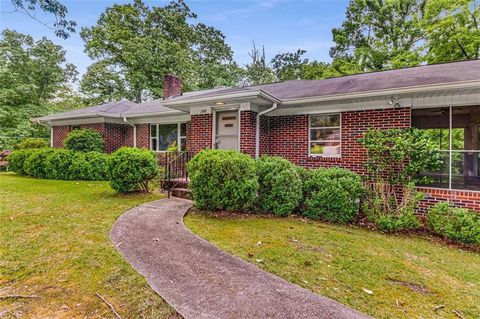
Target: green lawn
[54,244]
[383,276]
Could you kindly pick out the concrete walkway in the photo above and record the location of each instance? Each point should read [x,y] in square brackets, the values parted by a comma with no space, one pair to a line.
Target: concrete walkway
[202,281]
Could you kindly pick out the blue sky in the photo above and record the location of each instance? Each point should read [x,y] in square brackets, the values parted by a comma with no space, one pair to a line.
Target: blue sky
[280,25]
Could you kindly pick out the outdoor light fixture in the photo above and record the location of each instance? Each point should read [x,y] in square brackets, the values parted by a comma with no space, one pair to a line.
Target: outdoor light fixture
[219,103]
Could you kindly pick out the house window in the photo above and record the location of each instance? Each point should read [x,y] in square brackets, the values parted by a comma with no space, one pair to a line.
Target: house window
[168,137]
[455,132]
[324,135]
[74,127]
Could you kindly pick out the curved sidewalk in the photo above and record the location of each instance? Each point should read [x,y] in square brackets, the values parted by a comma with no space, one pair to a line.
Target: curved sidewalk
[201,281]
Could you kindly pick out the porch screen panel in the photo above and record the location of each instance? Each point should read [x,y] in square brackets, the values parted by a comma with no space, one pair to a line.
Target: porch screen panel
[455,131]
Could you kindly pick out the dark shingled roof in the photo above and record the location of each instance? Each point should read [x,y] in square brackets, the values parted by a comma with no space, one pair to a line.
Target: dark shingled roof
[373,81]
[446,73]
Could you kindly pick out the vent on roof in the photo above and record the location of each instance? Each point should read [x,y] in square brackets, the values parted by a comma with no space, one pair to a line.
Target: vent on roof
[172,86]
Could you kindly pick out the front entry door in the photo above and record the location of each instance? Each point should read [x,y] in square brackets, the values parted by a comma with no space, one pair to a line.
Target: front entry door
[226,129]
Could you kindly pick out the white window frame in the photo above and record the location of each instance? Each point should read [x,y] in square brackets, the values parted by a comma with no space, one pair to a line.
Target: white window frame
[319,141]
[179,137]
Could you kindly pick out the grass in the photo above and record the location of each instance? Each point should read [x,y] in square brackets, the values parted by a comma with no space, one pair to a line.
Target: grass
[381,275]
[54,243]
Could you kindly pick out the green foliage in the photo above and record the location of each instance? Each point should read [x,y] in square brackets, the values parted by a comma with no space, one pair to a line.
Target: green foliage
[58,163]
[91,166]
[31,143]
[458,224]
[289,66]
[33,77]
[223,180]
[16,160]
[280,185]
[382,206]
[379,35]
[452,30]
[142,44]
[84,140]
[332,194]
[63,27]
[36,164]
[399,155]
[102,84]
[130,169]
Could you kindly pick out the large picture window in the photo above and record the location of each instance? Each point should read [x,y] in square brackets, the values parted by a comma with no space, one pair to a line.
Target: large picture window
[324,135]
[455,132]
[168,137]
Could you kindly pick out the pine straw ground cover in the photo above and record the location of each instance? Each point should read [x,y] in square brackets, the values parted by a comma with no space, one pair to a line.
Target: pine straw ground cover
[54,245]
[386,276]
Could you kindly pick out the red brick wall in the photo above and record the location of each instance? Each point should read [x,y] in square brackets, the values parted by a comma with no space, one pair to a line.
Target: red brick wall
[247,132]
[143,135]
[199,135]
[288,137]
[458,198]
[264,135]
[59,135]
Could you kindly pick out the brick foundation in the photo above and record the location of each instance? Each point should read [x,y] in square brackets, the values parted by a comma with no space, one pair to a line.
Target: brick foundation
[458,198]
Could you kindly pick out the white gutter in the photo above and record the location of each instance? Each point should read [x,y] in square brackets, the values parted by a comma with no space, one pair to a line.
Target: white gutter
[49,126]
[257,128]
[134,131]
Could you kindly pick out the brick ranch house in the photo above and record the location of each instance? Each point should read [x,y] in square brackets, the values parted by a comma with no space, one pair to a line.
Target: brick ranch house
[312,123]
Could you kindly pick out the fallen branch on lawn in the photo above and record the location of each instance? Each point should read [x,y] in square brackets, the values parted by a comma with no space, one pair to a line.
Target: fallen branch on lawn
[110,306]
[18,296]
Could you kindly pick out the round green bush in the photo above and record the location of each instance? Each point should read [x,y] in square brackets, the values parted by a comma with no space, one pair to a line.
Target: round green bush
[223,180]
[457,224]
[280,185]
[130,169]
[16,160]
[84,140]
[58,164]
[31,143]
[90,166]
[332,194]
[36,164]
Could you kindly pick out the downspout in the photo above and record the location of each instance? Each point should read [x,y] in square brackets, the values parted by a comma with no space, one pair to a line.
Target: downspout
[134,131]
[257,128]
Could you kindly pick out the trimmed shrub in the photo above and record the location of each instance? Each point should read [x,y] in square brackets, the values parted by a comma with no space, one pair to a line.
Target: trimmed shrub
[457,224]
[31,143]
[84,140]
[16,160]
[332,194]
[36,165]
[58,163]
[280,185]
[91,166]
[130,169]
[223,180]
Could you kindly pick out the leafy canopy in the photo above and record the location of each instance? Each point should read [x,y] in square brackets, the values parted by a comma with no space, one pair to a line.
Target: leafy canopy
[142,44]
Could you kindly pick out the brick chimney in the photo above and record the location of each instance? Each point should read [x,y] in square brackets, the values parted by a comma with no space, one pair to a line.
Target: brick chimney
[172,86]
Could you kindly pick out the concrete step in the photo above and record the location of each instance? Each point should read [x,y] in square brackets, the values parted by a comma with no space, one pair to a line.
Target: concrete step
[182,193]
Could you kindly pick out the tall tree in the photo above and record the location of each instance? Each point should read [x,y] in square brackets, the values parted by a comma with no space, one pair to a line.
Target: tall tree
[101,83]
[143,44]
[380,34]
[62,26]
[33,74]
[288,65]
[452,30]
[258,71]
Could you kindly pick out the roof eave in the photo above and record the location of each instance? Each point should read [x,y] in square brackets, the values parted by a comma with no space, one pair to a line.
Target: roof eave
[229,96]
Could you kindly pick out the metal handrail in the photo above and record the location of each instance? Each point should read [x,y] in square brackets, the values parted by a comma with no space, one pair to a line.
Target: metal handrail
[175,170]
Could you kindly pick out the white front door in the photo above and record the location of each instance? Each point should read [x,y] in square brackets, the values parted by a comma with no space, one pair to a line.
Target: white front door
[226,129]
